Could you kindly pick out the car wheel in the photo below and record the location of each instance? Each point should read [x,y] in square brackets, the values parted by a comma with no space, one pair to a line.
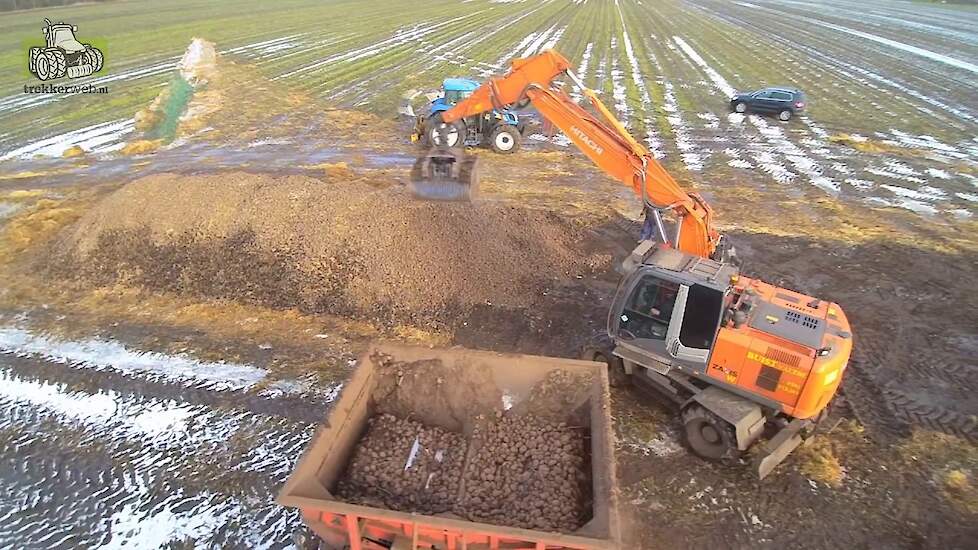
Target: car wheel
[740,107]
[785,115]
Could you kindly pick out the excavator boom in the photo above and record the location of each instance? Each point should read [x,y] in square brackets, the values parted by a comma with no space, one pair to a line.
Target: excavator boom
[602,138]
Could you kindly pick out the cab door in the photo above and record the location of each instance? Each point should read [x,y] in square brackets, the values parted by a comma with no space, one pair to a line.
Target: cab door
[662,323]
[645,312]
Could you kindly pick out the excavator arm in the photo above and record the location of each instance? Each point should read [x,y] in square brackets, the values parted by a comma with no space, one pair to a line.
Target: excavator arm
[603,139]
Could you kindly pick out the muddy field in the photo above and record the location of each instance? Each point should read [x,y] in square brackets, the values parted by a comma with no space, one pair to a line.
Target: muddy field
[183,296]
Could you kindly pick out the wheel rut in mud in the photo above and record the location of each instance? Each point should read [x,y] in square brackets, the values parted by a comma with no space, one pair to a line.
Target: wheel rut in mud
[99,458]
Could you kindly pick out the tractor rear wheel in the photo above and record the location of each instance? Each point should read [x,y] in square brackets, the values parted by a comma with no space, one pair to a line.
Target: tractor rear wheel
[442,134]
[505,139]
[708,435]
[57,62]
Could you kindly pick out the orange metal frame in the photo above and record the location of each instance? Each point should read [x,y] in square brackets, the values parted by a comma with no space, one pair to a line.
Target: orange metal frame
[358,531]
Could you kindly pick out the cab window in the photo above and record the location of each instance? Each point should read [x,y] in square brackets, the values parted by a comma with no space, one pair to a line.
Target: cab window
[648,309]
[454,96]
[783,96]
[701,317]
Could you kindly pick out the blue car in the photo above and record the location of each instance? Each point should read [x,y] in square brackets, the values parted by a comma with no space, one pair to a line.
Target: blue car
[501,131]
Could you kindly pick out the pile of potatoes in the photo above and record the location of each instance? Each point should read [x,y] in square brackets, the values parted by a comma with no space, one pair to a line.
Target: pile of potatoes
[526,473]
[383,472]
[521,471]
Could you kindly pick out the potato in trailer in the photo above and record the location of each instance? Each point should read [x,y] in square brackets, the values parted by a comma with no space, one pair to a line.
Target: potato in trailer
[463,392]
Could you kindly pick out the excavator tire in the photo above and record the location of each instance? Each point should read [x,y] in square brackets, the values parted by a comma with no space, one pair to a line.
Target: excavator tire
[708,435]
[598,349]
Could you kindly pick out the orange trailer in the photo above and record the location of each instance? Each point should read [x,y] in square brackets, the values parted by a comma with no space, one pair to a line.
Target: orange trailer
[340,525]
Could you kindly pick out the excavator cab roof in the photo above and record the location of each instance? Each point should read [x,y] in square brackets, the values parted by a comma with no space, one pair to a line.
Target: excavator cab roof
[687,268]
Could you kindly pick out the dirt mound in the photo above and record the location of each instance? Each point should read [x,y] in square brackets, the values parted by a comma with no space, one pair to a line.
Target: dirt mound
[350,245]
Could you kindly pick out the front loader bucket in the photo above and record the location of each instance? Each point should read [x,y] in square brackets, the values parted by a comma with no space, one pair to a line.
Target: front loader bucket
[406,108]
[445,175]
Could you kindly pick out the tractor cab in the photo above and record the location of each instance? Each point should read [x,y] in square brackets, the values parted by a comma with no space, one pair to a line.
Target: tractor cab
[62,35]
[457,89]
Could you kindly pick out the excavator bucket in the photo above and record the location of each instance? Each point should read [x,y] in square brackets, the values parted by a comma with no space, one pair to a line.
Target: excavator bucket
[445,175]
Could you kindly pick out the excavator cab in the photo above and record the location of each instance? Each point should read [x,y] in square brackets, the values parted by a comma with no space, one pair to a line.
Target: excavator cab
[666,317]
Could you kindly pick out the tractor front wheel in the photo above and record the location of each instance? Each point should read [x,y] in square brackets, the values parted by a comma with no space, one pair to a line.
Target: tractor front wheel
[505,139]
[708,435]
[95,58]
[58,64]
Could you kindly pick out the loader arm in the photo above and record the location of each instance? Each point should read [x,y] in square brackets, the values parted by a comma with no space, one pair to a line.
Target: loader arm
[603,139]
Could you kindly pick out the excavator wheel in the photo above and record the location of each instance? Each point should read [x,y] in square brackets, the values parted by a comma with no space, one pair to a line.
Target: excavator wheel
[445,175]
[708,435]
[599,351]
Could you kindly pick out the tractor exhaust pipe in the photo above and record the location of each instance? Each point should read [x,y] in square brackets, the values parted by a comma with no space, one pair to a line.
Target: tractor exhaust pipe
[444,174]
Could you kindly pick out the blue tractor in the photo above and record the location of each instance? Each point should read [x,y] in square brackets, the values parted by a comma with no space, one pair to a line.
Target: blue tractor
[501,131]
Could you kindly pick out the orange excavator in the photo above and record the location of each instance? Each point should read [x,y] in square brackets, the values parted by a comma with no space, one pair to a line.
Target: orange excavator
[743,361]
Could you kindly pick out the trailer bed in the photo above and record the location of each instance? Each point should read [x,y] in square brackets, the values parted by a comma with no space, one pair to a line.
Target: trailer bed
[458,393]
